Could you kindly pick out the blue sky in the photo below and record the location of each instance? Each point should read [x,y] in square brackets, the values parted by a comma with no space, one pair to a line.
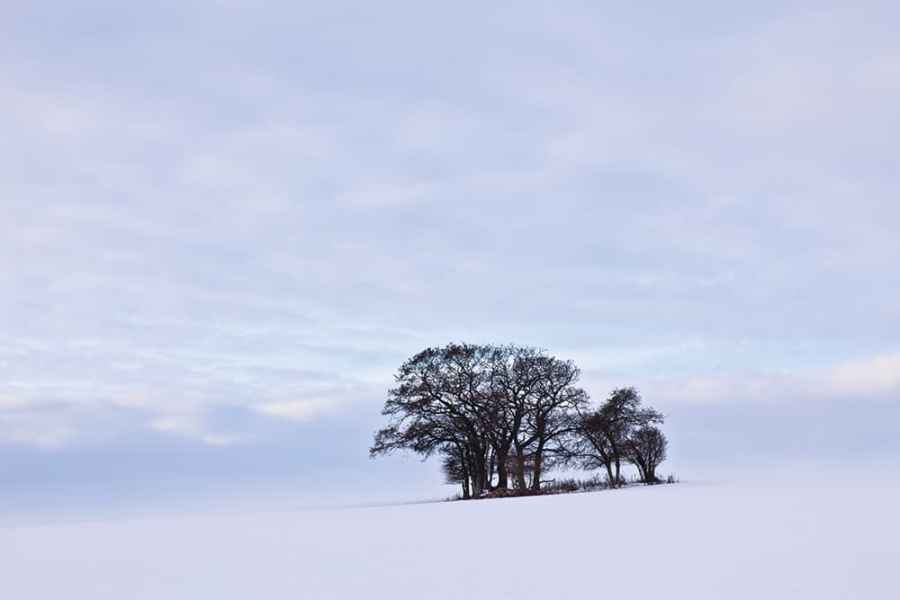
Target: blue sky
[223,226]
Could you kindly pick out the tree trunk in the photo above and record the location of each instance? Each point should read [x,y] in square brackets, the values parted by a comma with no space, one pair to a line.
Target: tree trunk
[491,466]
[478,483]
[538,467]
[479,472]
[502,469]
[520,468]
[466,474]
[503,465]
[642,471]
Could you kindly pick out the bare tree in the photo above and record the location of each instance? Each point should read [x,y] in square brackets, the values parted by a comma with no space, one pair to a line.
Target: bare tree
[515,377]
[439,400]
[478,403]
[456,469]
[552,412]
[646,450]
[600,438]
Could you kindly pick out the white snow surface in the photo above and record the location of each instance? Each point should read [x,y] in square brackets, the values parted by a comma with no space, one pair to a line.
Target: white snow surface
[839,539]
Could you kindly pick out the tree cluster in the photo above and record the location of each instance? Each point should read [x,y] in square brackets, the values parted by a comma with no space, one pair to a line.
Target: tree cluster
[500,417]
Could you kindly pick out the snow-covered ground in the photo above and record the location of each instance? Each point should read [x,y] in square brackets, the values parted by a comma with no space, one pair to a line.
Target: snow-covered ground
[836,539]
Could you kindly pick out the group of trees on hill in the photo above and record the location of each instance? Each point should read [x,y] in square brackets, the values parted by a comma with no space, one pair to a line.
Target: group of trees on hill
[500,417]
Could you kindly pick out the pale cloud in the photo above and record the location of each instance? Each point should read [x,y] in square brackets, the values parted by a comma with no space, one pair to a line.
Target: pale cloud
[23,423]
[190,426]
[875,378]
[39,436]
[12,403]
[878,375]
[299,410]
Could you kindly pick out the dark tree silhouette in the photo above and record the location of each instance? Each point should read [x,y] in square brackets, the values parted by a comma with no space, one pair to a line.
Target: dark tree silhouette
[513,380]
[552,412]
[478,404]
[539,399]
[440,402]
[600,438]
[646,450]
[456,469]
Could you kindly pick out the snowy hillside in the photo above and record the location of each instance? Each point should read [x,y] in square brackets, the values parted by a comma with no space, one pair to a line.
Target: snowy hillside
[698,541]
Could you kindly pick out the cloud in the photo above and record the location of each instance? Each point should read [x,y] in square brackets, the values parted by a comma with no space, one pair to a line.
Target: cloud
[299,410]
[864,379]
[25,422]
[190,426]
[10,403]
[878,375]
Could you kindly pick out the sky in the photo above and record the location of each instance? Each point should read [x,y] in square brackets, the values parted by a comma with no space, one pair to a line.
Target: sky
[223,226]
